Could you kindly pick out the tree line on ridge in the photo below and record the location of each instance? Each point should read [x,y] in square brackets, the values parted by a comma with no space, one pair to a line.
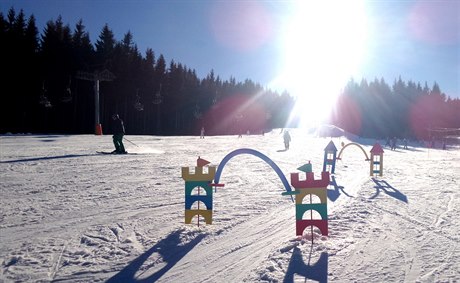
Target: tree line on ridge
[47,88]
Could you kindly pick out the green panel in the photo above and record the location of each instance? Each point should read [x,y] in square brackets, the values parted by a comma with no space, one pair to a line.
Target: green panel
[190,185]
[321,208]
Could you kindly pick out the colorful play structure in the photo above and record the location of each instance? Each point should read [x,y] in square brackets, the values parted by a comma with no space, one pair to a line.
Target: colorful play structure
[199,179]
[203,182]
[376,159]
[330,157]
[193,184]
[350,144]
[376,162]
[310,187]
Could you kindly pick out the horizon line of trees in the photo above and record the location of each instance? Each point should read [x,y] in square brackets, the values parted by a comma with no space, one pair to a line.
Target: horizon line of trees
[47,86]
[404,110]
[45,89]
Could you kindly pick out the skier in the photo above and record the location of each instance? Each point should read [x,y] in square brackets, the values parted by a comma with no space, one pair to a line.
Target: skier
[393,143]
[388,143]
[202,133]
[287,139]
[118,133]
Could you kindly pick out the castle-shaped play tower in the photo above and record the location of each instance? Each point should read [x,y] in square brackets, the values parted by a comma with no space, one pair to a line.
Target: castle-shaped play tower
[309,187]
[376,166]
[193,184]
[330,158]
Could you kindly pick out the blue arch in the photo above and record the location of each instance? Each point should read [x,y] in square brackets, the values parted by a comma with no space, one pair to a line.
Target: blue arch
[256,153]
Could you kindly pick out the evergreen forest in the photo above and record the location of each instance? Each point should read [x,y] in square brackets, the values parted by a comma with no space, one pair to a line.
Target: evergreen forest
[50,79]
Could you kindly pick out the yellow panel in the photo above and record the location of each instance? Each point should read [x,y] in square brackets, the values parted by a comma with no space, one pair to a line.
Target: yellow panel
[320,192]
[207,214]
[199,175]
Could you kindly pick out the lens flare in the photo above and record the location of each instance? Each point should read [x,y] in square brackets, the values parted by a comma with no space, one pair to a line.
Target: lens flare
[236,114]
[436,22]
[324,44]
[241,25]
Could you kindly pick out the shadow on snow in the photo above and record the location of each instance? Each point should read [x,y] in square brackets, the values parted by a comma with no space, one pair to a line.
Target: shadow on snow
[48,158]
[317,271]
[171,251]
[383,185]
[334,194]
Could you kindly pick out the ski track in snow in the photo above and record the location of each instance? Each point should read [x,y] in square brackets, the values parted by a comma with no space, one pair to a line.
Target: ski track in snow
[69,214]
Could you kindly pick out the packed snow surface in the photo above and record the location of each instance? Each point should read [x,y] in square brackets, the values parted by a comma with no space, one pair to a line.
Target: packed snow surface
[69,214]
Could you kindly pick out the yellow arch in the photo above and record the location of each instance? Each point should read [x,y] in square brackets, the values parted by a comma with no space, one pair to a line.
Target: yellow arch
[207,214]
[352,143]
[321,193]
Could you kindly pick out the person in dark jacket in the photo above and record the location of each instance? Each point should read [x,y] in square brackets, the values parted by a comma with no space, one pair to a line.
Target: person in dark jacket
[118,133]
[287,139]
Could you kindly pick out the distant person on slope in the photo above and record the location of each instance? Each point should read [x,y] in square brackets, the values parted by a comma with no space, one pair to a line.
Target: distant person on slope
[202,133]
[118,132]
[393,143]
[388,143]
[287,139]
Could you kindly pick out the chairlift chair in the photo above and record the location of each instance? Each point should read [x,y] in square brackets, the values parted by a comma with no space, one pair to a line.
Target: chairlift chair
[137,104]
[157,98]
[67,97]
[43,100]
[197,113]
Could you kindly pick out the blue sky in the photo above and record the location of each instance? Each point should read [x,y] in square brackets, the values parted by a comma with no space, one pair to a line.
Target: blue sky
[282,44]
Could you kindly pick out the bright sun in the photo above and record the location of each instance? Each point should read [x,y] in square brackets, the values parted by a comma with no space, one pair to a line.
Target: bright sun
[323,46]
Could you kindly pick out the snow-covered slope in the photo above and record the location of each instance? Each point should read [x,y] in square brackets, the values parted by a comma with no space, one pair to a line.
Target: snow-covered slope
[69,214]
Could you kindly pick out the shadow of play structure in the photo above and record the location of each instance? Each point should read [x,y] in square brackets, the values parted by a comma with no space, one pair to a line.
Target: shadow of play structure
[204,181]
[316,271]
[171,249]
[333,194]
[382,185]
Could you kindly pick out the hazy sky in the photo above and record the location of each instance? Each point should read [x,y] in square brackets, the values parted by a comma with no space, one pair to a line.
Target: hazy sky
[299,46]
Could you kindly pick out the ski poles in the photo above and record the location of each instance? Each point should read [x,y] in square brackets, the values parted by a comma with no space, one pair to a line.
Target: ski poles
[130,141]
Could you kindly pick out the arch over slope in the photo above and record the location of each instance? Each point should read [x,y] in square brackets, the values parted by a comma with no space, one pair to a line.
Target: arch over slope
[255,153]
[352,143]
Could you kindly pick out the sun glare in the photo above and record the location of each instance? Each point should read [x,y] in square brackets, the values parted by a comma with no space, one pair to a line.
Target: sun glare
[323,46]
